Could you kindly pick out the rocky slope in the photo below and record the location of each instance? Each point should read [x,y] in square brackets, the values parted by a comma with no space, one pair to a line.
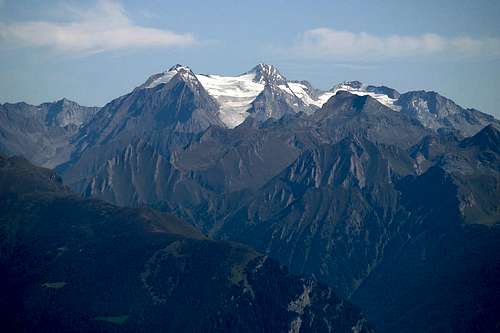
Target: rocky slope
[42,133]
[435,111]
[70,264]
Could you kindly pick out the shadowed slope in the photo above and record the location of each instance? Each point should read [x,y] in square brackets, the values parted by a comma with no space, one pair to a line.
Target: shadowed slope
[73,265]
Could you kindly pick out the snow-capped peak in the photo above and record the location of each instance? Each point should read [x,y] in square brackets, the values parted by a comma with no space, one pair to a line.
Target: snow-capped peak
[166,76]
[179,67]
[235,94]
[349,85]
[265,73]
[358,88]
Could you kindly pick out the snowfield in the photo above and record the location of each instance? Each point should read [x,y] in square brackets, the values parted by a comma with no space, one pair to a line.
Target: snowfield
[234,94]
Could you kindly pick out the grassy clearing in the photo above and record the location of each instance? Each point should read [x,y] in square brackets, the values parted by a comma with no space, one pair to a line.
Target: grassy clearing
[118,320]
[54,285]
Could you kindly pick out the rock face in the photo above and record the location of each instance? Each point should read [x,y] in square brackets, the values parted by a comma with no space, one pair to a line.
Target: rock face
[174,101]
[435,111]
[448,253]
[330,211]
[42,133]
[70,264]
[352,186]
[64,113]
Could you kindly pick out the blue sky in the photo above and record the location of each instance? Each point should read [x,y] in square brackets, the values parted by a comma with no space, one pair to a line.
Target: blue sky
[94,51]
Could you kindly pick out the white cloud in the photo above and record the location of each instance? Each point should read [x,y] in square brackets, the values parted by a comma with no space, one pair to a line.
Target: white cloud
[104,27]
[325,43]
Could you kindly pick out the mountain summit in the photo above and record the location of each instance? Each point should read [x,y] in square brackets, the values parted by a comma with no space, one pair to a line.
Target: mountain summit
[267,74]
[163,78]
[42,133]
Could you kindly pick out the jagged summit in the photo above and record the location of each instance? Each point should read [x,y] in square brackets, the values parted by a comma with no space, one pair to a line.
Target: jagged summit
[66,112]
[356,85]
[64,100]
[162,78]
[267,74]
[179,67]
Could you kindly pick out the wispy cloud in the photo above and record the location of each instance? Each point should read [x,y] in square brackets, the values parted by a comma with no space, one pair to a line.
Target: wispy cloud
[104,27]
[330,44]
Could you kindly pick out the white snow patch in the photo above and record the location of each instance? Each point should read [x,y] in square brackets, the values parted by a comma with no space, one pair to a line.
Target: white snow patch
[381,98]
[168,75]
[234,94]
[302,91]
[286,88]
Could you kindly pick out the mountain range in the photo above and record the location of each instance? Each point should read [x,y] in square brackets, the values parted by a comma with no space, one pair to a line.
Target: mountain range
[47,133]
[389,198]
